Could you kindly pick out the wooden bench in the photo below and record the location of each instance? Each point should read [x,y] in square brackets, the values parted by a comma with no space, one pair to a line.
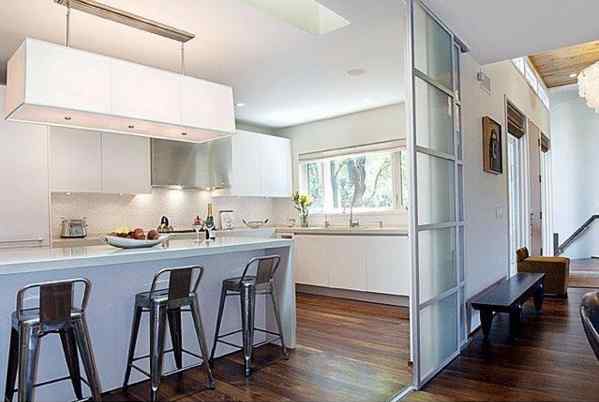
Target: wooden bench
[508,296]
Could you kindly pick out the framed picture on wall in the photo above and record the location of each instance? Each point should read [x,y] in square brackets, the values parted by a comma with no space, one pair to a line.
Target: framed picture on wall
[492,146]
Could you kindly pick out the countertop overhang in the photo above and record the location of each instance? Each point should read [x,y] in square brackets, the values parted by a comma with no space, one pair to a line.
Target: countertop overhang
[24,260]
[345,231]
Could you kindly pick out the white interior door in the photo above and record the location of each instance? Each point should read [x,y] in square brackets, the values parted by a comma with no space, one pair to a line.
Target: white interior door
[437,223]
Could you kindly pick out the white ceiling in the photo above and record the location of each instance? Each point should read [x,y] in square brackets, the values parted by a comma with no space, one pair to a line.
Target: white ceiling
[500,30]
[284,75]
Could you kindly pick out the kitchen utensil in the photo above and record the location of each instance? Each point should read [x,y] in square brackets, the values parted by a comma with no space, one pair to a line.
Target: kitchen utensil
[126,243]
[255,224]
[73,228]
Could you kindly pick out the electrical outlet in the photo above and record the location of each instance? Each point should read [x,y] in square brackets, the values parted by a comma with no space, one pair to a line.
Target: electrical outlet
[499,212]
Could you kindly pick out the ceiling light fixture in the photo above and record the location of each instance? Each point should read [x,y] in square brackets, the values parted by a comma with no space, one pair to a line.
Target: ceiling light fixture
[588,86]
[240,104]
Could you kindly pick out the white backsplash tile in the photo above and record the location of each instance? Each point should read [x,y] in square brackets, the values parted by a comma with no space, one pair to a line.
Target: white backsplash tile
[105,212]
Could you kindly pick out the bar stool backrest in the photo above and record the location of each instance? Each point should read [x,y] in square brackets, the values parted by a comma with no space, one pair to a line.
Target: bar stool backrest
[266,268]
[179,281]
[55,299]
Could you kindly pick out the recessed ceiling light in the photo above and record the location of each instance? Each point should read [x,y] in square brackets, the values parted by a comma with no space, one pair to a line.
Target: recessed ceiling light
[573,75]
[240,104]
[67,118]
[183,134]
[355,72]
[131,126]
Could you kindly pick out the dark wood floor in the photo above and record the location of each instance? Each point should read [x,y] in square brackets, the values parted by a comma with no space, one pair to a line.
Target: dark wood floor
[584,273]
[347,351]
[552,361]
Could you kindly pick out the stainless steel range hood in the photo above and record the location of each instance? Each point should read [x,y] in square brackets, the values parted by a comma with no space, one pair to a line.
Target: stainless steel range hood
[205,166]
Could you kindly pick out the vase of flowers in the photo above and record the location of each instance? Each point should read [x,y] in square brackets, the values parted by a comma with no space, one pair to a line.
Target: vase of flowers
[302,203]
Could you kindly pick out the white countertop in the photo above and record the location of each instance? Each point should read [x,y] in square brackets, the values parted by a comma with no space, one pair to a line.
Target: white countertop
[345,230]
[35,259]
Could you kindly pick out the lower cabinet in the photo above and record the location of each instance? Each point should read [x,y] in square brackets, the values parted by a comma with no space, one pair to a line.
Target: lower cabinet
[378,264]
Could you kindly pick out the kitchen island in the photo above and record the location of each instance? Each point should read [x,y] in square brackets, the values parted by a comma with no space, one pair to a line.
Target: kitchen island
[116,276]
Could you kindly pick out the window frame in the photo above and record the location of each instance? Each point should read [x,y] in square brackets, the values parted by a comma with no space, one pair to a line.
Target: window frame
[398,179]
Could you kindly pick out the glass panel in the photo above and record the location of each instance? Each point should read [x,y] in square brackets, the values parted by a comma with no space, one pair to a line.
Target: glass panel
[436,189]
[438,333]
[460,193]
[432,48]
[433,118]
[463,314]
[459,134]
[437,262]
[404,179]
[314,184]
[461,254]
[362,181]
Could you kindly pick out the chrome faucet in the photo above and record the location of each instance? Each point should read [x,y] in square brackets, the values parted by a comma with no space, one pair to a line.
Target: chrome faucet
[352,223]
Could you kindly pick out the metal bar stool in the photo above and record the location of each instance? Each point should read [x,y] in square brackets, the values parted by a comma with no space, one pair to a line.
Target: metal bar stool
[247,287]
[163,303]
[55,314]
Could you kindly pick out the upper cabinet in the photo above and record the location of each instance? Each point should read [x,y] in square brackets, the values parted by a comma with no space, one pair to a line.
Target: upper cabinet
[24,204]
[75,161]
[125,164]
[90,162]
[55,85]
[261,166]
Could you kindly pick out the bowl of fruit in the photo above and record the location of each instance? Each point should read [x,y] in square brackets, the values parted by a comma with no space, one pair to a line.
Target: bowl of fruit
[137,238]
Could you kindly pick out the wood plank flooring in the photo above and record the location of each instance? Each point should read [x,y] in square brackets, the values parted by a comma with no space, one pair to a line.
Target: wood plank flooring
[347,351]
[584,273]
[551,361]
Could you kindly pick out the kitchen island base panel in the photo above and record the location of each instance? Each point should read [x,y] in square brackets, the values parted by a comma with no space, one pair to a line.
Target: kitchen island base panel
[110,314]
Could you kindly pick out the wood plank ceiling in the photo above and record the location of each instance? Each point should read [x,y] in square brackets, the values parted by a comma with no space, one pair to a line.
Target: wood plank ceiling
[557,66]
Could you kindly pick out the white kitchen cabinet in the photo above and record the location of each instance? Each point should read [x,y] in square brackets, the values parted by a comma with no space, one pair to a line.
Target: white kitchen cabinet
[75,161]
[388,267]
[206,104]
[344,257]
[58,77]
[309,267]
[377,264]
[84,161]
[276,166]
[261,165]
[24,204]
[125,164]
[246,175]
[130,92]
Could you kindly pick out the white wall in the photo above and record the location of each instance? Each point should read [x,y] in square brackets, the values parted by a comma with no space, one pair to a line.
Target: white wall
[375,125]
[575,146]
[485,195]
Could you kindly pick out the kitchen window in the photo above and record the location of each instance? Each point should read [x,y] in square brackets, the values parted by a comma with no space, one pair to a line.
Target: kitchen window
[367,180]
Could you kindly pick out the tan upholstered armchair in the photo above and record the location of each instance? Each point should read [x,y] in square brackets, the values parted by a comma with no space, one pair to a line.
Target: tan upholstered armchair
[556,270]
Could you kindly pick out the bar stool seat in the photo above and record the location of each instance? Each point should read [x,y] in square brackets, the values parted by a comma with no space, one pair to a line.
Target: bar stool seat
[247,287]
[163,304]
[55,315]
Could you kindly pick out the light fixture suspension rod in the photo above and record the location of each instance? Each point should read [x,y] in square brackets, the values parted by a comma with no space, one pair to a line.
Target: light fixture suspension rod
[182,58]
[68,28]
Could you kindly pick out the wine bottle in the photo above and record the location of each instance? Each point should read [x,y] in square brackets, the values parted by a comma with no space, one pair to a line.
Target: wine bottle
[210,218]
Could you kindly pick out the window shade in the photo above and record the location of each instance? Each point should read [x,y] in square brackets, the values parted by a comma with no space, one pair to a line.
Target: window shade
[333,153]
[516,121]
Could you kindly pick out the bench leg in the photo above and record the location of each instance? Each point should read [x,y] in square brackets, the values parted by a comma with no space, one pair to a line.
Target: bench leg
[486,319]
[515,315]
[539,296]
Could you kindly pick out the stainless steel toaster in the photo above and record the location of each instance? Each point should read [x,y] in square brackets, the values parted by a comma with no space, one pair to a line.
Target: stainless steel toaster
[73,228]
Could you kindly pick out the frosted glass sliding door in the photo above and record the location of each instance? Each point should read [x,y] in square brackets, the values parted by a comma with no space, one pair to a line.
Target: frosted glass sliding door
[437,213]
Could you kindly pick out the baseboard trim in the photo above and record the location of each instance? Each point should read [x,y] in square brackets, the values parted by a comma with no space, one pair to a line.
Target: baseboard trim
[392,300]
